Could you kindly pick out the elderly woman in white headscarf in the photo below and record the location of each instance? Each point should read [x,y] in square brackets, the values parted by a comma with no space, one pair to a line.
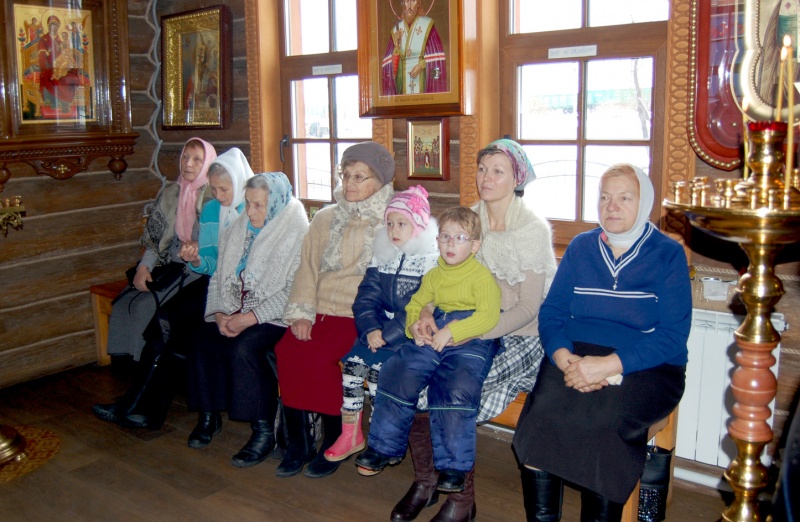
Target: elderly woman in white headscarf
[226,178]
[614,326]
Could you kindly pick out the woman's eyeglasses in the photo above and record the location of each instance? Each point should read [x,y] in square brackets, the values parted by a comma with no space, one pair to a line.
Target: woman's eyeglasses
[355,178]
[458,239]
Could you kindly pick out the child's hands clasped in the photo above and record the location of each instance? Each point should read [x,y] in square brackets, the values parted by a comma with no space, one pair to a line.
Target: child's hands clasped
[375,340]
[441,339]
[422,332]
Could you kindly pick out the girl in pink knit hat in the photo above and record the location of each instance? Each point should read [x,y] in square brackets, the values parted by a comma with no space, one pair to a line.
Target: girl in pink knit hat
[401,257]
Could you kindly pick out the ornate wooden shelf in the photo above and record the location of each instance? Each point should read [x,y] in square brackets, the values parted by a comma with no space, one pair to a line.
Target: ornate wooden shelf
[65,100]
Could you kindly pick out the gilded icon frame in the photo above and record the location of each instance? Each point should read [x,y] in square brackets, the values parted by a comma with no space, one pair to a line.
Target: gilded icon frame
[454,22]
[196,58]
[429,149]
[87,82]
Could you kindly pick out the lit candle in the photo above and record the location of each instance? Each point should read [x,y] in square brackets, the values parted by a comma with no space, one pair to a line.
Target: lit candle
[745,136]
[779,101]
[790,105]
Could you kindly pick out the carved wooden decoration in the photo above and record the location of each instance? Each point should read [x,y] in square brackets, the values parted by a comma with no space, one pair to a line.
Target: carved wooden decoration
[65,71]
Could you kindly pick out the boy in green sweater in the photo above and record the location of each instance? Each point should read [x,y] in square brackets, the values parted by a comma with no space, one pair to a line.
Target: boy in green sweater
[453,367]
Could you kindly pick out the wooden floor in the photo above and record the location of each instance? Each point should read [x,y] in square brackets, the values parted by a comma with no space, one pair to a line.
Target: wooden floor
[104,472]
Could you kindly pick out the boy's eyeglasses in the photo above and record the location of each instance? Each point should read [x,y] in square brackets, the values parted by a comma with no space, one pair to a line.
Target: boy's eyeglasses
[458,239]
[356,178]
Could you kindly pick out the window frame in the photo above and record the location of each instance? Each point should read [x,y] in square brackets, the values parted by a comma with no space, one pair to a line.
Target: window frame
[300,67]
[612,42]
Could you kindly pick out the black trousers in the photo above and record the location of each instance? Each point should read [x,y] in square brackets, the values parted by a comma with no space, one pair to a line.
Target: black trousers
[234,374]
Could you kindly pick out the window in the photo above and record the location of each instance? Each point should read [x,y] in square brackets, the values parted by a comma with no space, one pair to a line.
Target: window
[535,16]
[320,87]
[584,76]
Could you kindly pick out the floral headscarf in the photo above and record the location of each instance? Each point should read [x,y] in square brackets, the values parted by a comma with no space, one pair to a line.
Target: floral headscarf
[523,170]
[187,202]
[280,193]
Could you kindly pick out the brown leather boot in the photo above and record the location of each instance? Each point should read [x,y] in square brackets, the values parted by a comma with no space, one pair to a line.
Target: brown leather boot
[459,507]
[423,491]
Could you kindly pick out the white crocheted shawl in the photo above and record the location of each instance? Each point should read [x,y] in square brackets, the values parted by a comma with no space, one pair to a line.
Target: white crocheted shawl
[525,244]
[264,285]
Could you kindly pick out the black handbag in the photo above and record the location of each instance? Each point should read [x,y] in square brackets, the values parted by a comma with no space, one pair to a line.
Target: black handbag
[163,276]
[655,485]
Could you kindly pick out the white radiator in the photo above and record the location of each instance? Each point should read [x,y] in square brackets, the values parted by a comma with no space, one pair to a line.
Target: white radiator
[707,403]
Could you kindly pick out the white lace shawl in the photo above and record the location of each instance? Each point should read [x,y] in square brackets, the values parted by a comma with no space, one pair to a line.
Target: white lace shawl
[267,279]
[525,244]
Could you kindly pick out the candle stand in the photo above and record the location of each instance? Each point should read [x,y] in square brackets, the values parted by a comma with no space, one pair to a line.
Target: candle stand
[761,214]
[12,445]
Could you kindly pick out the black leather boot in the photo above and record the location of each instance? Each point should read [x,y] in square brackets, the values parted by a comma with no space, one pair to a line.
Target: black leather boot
[300,447]
[595,508]
[423,492]
[258,448]
[147,400]
[117,412]
[372,462]
[320,466]
[129,411]
[208,425]
[451,481]
[160,389]
[543,494]
[459,507]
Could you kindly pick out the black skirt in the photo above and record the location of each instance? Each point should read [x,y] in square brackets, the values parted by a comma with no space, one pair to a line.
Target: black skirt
[595,440]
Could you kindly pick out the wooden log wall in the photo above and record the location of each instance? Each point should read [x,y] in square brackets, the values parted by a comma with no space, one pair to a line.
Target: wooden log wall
[85,230]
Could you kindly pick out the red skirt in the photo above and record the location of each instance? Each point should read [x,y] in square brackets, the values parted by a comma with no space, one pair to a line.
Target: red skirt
[309,374]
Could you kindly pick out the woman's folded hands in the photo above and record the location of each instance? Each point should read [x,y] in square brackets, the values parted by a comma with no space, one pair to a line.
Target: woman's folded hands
[587,374]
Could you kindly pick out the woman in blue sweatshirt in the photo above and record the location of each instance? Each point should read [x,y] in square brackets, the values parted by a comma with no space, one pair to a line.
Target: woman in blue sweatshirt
[614,326]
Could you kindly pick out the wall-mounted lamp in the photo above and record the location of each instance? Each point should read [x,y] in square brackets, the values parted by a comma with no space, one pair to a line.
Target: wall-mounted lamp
[11,211]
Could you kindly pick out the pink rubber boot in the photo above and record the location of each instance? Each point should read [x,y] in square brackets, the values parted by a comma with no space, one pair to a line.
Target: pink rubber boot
[351,441]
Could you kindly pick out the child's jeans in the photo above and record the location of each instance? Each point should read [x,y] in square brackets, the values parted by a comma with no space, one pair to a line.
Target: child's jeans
[454,378]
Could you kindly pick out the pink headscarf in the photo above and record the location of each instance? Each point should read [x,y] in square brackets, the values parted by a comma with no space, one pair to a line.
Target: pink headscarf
[187,203]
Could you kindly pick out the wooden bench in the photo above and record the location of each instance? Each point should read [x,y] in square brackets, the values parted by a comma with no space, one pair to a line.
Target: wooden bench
[102,295]
[664,431]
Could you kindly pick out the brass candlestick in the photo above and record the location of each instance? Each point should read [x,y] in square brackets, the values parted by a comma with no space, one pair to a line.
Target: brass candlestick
[12,445]
[11,214]
[762,215]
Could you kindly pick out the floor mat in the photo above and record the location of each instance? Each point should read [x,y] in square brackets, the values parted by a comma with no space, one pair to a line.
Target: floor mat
[40,446]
